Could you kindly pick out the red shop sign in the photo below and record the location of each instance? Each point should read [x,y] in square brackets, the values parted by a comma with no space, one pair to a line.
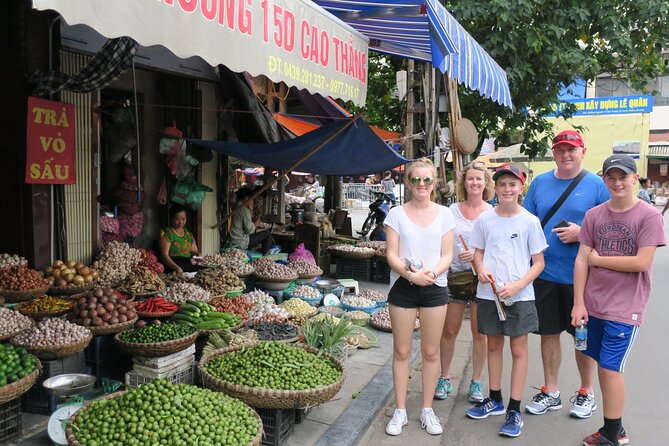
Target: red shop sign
[50,149]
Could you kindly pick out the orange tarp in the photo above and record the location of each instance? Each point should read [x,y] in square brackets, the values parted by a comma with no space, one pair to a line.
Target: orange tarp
[300,127]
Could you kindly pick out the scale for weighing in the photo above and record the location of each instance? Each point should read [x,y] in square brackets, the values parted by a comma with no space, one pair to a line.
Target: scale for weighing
[69,386]
[326,286]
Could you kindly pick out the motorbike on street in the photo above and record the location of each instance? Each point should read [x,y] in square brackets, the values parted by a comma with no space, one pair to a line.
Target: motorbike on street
[372,228]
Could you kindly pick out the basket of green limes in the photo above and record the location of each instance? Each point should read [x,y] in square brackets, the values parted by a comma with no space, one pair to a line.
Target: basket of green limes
[157,340]
[219,419]
[273,375]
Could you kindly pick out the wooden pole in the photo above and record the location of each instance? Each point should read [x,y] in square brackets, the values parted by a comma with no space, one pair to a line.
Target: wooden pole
[273,180]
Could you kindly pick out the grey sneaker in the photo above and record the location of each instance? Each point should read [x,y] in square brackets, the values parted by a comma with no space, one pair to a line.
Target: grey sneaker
[475,394]
[583,404]
[399,420]
[542,402]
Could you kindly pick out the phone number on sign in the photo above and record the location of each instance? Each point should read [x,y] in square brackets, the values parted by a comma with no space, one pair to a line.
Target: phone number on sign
[296,73]
[343,88]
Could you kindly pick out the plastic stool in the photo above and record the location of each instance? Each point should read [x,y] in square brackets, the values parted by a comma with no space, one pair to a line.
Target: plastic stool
[350,286]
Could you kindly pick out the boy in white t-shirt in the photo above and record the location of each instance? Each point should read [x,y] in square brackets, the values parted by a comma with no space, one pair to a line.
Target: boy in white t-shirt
[506,238]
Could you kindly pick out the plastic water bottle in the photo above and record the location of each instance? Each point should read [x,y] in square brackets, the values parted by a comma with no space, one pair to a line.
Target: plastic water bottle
[581,337]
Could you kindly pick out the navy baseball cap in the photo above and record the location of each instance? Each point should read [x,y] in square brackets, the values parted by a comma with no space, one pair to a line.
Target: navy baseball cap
[619,161]
[511,170]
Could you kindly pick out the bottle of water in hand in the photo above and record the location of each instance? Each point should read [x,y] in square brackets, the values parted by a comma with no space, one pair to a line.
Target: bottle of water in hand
[581,337]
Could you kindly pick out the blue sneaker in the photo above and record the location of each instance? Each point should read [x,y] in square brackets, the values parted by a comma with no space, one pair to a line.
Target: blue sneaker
[512,425]
[444,387]
[485,408]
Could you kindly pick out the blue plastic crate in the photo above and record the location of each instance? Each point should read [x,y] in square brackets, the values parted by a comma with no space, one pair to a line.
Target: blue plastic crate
[102,348]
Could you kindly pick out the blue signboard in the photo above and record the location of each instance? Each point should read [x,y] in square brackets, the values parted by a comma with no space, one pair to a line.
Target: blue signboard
[614,105]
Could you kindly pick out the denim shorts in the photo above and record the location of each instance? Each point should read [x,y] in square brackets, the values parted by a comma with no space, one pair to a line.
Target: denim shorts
[406,295]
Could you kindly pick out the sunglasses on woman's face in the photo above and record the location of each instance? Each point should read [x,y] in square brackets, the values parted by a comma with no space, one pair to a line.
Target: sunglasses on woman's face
[417,180]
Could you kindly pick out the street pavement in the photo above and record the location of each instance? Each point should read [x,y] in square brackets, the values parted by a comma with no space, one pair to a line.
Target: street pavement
[644,418]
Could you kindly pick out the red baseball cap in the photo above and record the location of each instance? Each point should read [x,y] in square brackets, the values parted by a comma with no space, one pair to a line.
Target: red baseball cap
[571,137]
[511,170]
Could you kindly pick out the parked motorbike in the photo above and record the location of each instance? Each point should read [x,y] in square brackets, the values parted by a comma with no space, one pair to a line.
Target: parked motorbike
[372,228]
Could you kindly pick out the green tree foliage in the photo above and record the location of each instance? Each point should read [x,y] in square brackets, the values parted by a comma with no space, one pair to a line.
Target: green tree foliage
[537,43]
[383,108]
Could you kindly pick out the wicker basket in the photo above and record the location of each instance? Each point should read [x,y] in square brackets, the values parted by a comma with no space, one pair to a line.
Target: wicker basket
[14,333]
[49,353]
[139,295]
[156,349]
[20,296]
[148,315]
[274,280]
[38,315]
[18,388]
[352,255]
[69,290]
[112,329]
[72,441]
[389,328]
[271,398]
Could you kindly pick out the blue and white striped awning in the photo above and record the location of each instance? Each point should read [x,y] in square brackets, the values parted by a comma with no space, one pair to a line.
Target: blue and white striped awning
[425,30]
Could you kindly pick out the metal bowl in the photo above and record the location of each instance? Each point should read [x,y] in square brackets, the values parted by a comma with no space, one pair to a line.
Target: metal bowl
[327,284]
[69,384]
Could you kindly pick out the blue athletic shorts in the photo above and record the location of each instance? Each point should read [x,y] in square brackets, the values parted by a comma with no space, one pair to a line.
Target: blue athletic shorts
[610,343]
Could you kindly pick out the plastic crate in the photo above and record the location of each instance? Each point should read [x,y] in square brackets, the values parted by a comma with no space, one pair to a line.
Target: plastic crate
[381,270]
[357,269]
[37,400]
[278,425]
[113,368]
[10,421]
[72,364]
[301,415]
[181,375]
[101,348]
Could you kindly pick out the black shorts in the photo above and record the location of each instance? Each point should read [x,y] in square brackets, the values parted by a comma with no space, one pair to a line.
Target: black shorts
[554,303]
[406,295]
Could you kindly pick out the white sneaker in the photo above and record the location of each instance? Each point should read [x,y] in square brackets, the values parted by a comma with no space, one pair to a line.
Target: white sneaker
[430,421]
[399,420]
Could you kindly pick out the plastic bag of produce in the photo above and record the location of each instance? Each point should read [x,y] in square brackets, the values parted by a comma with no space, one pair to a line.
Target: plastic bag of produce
[109,224]
[131,225]
[189,193]
[302,253]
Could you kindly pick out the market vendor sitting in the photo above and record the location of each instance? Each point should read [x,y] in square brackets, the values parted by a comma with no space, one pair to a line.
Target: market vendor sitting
[176,244]
[245,232]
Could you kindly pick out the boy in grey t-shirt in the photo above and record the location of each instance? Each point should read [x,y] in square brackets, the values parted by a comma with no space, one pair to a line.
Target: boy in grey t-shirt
[506,238]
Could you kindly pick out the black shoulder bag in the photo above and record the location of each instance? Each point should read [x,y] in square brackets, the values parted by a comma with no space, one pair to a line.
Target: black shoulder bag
[563,197]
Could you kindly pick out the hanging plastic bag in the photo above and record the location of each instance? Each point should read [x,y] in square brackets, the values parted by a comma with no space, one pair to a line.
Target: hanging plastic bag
[302,253]
[188,192]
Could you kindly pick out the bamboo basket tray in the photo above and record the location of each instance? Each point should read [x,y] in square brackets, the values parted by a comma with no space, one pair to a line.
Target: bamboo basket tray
[351,254]
[72,440]
[18,388]
[112,329]
[14,333]
[156,349]
[38,315]
[271,398]
[57,352]
[148,315]
[20,296]
[69,290]
[139,295]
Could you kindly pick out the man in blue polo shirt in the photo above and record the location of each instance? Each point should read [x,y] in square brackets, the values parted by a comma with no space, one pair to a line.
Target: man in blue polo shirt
[554,289]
